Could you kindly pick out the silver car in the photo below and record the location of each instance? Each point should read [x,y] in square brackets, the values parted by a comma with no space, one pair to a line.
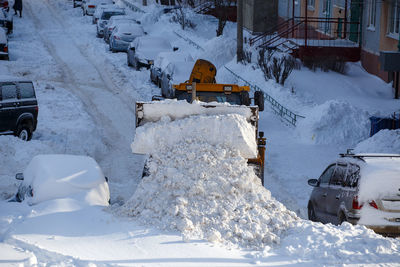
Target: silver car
[123,35]
[106,14]
[113,21]
[360,189]
[98,11]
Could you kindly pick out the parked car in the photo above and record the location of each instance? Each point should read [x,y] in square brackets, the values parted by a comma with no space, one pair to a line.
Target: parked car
[113,21]
[3,45]
[89,6]
[18,107]
[162,61]
[360,189]
[105,15]
[4,5]
[50,177]
[98,11]
[174,73]
[6,21]
[143,50]
[77,3]
[123,35]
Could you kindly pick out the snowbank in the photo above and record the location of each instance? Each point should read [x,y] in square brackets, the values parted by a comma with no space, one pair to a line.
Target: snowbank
[385,141]
[200,184]
[219,50]
[334,122]
[325,244]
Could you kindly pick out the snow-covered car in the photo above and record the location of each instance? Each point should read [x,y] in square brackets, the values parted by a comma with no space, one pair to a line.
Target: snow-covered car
[174,73]
[360,189]
[113,21]
[50,177]
[123,35]
[143,51]
[98,10]
[162,61]
[6,21]
[3,44]
[89,6]
[105,15]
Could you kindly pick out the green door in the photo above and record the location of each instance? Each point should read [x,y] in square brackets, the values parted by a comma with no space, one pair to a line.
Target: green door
[355,18]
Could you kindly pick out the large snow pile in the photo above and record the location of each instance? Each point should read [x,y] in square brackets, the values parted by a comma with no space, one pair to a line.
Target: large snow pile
[334,122]
[385,141]
[200,184]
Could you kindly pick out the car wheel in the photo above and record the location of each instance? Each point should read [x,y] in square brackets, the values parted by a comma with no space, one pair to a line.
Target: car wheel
[24,132]
[136,64]
[311,213]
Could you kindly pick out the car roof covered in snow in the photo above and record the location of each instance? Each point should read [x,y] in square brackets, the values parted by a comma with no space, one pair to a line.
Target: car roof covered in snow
[130,27]
[179,71]
[57,176]
[164,58]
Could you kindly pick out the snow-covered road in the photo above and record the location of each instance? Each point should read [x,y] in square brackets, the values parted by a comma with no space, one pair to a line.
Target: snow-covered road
[86,99]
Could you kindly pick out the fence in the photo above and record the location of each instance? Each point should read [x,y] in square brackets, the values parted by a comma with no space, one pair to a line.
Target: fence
[280,110]
[132,6]
[189,41]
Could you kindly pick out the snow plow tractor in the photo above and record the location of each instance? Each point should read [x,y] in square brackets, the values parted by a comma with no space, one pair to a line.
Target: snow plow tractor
[203,87]
[154,111]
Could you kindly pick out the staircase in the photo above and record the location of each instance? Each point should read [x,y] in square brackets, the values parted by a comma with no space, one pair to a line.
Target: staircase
[303,38]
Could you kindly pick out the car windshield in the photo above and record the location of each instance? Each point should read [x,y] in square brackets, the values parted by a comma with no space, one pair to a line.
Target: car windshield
[233,98]
[108,14]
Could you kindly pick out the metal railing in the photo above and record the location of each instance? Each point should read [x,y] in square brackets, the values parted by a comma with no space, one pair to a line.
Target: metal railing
[189,41]
[132,6]
[286,114]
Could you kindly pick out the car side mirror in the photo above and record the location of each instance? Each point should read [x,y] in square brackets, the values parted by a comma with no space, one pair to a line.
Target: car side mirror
[19,176]
[313,182]
[132,48]
[145,33]
[176,49]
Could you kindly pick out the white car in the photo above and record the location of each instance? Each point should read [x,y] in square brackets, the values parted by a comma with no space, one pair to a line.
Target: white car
[105,15]
[162,61]
[175,73]
[123,34]
[143,51]
[50,177]
[89,6]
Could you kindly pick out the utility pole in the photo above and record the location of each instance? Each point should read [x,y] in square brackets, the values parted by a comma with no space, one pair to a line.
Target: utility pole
[239,53]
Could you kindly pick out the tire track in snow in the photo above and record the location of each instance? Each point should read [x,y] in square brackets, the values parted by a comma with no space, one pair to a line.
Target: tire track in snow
[113,117]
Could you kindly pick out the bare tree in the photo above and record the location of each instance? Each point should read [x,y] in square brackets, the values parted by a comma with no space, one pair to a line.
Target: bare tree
[221,8]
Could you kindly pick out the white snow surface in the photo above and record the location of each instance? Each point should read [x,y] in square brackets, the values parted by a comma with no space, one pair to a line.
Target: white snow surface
[86,96]
[384,141]
[199,182]
[334,122]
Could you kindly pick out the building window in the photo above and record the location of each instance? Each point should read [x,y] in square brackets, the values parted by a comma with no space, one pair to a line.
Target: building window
[311,4]
[371,13]
[394,18]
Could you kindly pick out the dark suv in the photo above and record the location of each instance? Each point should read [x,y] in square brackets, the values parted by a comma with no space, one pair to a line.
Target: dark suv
[18,108]
[360,189]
